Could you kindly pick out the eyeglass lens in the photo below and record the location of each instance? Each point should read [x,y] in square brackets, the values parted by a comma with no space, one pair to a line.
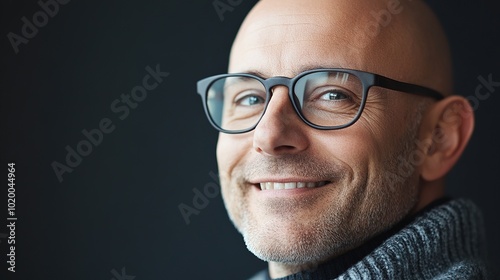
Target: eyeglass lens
[325,98]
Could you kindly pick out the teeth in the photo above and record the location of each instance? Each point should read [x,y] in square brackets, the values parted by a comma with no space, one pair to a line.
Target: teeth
[290,185]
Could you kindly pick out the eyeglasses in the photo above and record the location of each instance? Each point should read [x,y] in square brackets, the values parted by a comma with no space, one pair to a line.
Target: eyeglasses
[325,99]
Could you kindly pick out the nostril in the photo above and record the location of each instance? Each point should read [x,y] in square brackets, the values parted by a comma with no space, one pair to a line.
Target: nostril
[284,149]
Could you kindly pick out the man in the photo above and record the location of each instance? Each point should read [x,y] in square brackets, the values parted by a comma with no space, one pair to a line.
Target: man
[338,126]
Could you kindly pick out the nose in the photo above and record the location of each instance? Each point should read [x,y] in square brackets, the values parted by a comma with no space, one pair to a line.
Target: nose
[280,131]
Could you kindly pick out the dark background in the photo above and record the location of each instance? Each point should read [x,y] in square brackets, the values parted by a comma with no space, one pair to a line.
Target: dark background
[119,207]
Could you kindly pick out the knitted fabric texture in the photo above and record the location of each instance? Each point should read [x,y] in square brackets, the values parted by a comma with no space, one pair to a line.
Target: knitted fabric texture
[445,242]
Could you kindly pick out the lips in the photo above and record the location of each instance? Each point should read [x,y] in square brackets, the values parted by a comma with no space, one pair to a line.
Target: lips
[290,185]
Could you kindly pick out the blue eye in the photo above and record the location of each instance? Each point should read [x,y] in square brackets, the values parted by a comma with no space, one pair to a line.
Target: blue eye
[333,95]
[250,100]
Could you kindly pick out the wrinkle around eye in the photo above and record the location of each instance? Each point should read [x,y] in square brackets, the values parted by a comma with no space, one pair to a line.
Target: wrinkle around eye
[373,117]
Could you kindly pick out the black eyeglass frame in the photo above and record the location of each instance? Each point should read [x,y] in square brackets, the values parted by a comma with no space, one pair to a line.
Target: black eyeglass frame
[367,79]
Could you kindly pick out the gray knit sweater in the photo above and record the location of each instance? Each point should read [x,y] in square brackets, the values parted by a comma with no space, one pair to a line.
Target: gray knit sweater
[444,242]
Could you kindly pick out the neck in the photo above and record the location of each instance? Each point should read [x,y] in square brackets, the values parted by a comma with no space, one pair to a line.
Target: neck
[278,270]
[429,192]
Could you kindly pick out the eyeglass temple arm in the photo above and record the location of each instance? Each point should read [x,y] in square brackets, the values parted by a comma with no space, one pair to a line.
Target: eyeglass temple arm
[406,87]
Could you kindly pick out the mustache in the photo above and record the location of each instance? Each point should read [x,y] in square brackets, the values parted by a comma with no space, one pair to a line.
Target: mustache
[292,165]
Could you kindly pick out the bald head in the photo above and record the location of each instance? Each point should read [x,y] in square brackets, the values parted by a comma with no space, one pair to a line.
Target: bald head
[400,39]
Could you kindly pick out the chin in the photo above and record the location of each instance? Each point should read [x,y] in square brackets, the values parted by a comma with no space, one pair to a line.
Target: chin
[297,245]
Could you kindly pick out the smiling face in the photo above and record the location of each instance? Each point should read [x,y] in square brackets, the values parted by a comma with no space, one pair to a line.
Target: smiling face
[300,195]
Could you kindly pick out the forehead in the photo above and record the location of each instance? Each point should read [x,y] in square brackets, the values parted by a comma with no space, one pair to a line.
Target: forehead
[286,40]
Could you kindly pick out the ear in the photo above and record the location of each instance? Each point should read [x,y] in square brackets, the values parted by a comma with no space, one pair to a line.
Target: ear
[447,128]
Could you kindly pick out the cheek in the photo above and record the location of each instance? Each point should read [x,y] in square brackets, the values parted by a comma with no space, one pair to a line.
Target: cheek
[375,137]
[231,149]
[355,147]
[227,158]
[222,154]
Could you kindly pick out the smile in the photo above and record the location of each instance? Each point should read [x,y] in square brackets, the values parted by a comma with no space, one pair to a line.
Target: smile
[290,185]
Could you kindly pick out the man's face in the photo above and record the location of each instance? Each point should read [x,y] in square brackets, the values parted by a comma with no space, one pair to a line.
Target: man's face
[354,186]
